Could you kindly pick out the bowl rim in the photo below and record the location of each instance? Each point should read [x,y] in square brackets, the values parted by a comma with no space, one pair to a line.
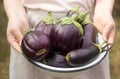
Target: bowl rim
[99,58]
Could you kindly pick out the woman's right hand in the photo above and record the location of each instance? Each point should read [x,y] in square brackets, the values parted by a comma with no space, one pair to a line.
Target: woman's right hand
[15,29]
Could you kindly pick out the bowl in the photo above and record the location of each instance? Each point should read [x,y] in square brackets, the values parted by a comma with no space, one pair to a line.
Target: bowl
[68,72]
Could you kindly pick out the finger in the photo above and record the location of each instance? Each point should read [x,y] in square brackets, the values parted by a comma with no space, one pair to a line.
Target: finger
[13,42]
[111,38]
[16,46]
[106,32]
[19,37]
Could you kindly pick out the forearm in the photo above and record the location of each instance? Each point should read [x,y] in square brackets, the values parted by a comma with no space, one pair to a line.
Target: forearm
[14,8]
[105,6]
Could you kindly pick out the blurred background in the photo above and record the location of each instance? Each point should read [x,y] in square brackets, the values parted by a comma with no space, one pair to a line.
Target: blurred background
[5,54]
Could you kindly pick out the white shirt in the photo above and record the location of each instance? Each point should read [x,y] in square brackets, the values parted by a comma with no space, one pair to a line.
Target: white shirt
[58,5]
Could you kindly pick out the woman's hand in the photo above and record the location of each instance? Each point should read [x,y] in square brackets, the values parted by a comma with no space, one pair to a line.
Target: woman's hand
[104,21]
[15,29]
[17,22]
[105,24]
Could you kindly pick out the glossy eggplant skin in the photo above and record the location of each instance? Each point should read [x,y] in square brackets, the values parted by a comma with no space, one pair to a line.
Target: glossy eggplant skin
[36,45]
[46,28]
[56,59]
[65,37]
[88,36]
[83,56]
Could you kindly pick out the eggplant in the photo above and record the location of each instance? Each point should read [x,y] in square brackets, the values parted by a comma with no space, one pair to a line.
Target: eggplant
[83,56]
[66,34]
[82,17]
[46,24]
[56,59]
[89,35]
[36,45]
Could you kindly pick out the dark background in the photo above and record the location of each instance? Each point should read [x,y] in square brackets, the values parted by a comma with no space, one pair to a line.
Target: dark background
[4,46]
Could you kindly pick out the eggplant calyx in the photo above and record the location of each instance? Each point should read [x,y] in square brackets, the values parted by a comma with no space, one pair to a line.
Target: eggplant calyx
[68,60]
[76,10]
[49,19]
[82,16]
[68,20]
[41,51]
[100,46]
[86,20]
[79,27]
[28,31]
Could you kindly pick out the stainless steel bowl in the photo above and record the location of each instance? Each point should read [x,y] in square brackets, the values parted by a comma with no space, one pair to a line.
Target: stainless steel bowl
[68,72]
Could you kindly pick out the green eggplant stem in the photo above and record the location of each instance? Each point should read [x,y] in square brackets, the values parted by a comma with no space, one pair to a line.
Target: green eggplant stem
[100,45]
[76,12]
[76,9]
[86,20]
[66,20]
[49,19]
[75,17]
[67,57]
[82,16]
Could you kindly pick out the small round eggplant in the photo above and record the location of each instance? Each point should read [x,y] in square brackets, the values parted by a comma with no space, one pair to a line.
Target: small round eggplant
[56,59]
[66,34]
[65,37]
[36,45]
[46,24]
[82,56]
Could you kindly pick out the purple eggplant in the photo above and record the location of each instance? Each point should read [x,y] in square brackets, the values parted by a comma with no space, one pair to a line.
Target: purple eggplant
[83,55]
[66,34]
[36,45]
[89,35]
[56,59]
[46,24]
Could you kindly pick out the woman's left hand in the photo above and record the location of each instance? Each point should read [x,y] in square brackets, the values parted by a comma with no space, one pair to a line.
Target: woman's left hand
[105,24]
